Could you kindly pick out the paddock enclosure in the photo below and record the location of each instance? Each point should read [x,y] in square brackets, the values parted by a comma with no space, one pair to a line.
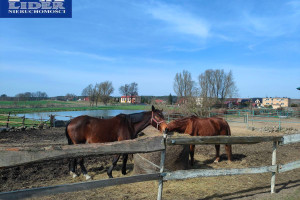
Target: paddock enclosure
[253,186]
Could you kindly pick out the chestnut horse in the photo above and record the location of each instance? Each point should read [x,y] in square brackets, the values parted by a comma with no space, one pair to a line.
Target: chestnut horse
[196,126]
[86,129]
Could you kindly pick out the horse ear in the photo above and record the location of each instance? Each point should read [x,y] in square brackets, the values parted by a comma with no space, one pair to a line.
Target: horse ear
[153,109]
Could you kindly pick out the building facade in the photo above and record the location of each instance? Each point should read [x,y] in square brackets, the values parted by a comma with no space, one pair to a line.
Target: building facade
[276,102]
[130,99]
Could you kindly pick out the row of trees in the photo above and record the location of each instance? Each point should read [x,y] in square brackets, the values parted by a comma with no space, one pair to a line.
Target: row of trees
[98,92]
[214,86]
[101,92]
[129,90]
[27,96]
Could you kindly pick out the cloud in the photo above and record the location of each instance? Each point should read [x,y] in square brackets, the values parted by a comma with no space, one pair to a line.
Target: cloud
[264,26]
[276,24]
[90,55]
[294,4]
[182,49]
[180,20]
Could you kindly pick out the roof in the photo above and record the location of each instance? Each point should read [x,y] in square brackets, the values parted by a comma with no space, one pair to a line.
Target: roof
[128,96]
[159,100]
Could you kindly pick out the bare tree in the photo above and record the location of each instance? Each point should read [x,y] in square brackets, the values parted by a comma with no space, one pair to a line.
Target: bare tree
[41,95]
[124,90]
[178,85]
[105,89]
[89,91]
[70,97]
[133,89]
[3,97]
[24,96]
[216,85]
[184,86]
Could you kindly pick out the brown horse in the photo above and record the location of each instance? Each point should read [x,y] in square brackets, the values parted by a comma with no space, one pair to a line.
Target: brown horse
[86,129]
[196,126]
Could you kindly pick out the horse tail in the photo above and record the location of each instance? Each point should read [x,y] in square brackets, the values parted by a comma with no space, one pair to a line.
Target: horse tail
[228,128]
[229,131]
[70,142]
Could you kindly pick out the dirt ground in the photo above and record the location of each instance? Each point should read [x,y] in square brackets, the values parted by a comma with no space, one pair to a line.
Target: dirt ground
[225,187]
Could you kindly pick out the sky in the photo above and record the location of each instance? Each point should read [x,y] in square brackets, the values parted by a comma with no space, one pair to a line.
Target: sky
[149,41]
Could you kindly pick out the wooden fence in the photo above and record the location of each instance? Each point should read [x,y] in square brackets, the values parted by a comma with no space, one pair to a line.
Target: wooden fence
[13,120]
[13,156]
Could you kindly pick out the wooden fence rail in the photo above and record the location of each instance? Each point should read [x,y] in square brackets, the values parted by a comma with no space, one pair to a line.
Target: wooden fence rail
[13,156]
[75,187]
[34,154]
[179,140]
[196,173]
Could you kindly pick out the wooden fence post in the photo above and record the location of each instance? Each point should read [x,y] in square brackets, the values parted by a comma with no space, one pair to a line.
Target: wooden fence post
[273,163]
[162,166]
[7,120]
[52,118]
[247,119]
[23,121]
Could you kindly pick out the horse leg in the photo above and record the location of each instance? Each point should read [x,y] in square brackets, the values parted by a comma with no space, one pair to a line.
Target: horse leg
[229,152]
[125,158]
[192,151]
[217,153]
[83,169]
[73,167]
[114,163]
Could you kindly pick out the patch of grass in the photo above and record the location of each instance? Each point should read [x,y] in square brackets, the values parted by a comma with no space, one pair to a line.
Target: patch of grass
[33,103]
[15,121]
[53,106]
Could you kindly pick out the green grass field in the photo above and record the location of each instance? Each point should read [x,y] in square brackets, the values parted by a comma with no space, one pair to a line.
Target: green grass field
[42,103]
[15,121]
[15,107]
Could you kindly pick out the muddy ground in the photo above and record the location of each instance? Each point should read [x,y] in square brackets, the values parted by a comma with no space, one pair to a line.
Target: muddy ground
[226,187]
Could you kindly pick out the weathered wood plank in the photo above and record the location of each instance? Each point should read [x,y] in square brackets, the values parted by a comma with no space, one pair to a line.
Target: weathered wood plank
[162,167]
[274,156]
[51,190]
[12,156]
[186,174]
[178,140]
[289,166]
[290,139]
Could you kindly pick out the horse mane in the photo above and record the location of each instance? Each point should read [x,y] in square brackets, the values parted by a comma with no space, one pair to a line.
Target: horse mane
[184,119]
[178,123]
[133,118]
[136,117]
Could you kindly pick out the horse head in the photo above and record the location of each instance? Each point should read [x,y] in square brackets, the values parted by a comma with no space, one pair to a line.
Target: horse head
[158,119]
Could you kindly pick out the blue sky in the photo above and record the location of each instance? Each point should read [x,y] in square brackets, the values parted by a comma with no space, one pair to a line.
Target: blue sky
[148,42]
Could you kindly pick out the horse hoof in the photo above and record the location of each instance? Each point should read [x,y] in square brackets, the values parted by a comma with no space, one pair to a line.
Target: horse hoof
[73,174]
[87,177]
